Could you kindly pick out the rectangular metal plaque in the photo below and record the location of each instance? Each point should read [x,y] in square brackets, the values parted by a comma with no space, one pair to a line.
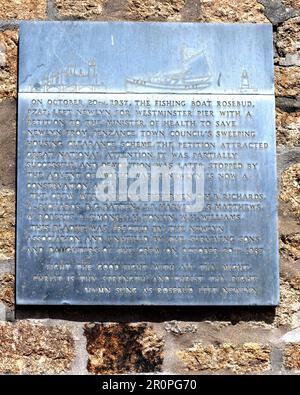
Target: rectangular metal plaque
[146,164]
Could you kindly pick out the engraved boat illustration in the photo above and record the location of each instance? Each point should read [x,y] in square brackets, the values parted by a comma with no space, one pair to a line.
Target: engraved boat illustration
[71,79]
[194,75]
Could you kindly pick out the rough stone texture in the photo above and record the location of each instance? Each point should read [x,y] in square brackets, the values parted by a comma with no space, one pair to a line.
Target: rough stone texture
[7,224]
[33,348]
[290,189]
[295,281]
[155,9]
[287,314]
[292,4]
[177,328]
[7,289]
[287,81]
[278,11]
[123,348]
[245,358]
[8,63]
[288,128]
[288,42]
[290,246]
[87,9]
[275,11]
[147,10]
[7,143]
[232,11]
[290,263]
[288,104]
[292,357]
[23,9]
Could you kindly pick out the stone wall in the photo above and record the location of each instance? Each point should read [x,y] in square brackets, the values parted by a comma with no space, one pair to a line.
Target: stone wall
[171,340]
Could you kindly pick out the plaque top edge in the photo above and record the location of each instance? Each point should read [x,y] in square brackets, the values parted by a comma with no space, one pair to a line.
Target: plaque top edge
[94,57]
[166,23]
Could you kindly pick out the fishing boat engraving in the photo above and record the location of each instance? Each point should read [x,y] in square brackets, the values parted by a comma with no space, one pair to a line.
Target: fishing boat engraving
[194,75]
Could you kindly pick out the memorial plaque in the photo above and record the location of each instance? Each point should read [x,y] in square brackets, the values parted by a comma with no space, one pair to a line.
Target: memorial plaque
[146,164]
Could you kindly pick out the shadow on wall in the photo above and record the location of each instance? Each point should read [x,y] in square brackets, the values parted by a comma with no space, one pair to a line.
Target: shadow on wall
[232,314]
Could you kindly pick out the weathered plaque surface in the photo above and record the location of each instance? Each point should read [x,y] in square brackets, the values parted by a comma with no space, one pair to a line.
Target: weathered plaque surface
[146,164]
